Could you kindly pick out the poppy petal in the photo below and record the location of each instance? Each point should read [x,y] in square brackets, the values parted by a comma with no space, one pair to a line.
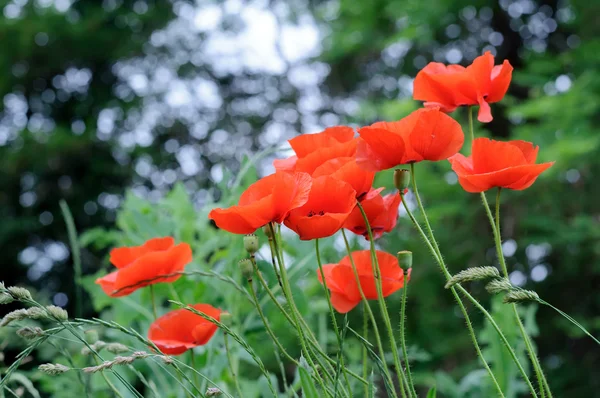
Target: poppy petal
[436,136]
[341,303]
[287,164]
[501,77]
[122,256]
[305,144]
[379,149]
[346,169]
[490,155]
[152,268]
[291,190]
[243,219]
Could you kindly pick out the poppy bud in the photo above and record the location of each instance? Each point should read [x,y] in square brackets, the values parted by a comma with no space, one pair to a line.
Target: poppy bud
[405,259]
[246,268]
[401,179]
[268,231]
[251,243]
[226,318]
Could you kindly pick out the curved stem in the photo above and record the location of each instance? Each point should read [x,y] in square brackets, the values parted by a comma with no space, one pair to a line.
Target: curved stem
[570,319]
[402,335]
[542,382]
[193,362]
[368,310]
[382,307]
[231,366]
[293,310]
[436,252]
[366,337]
[154,312]
[331,312]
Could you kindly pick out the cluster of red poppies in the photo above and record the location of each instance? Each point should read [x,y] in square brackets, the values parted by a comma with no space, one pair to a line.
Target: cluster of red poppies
[315,192]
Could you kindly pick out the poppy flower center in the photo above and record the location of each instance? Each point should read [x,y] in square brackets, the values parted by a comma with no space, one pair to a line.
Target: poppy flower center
[315,213]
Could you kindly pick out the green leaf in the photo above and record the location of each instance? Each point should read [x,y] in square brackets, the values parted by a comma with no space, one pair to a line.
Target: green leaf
[309,390]
[431,393]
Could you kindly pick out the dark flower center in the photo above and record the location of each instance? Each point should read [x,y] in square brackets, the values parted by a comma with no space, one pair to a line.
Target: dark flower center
[314,213]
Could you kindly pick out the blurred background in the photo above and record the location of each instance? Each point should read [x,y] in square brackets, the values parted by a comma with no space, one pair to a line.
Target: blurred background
[98,98]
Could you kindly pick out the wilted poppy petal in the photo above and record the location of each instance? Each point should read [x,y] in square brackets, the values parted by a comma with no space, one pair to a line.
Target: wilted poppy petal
[485,112]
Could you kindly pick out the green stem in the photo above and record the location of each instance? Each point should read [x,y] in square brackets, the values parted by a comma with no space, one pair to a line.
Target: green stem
[193,362]
[542,382]
[471,130]
[384,312]
[75,253]
[368,310]
[570,319]
[331,312]
[366,337]
[287,291]
[152,298]
[403,336]
[232,366]
[436,252]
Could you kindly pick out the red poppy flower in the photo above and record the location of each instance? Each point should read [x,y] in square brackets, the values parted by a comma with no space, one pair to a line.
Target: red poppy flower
[425,134]
[270,199]
[346,169]
[140,266]
[449,87]
[177,331]
[342,285]
[312,150]
[381,211]
[498,164]
[329,203]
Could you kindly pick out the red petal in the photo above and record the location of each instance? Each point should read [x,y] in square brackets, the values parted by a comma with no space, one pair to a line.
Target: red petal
[501,76]
[436,136]
[379,149]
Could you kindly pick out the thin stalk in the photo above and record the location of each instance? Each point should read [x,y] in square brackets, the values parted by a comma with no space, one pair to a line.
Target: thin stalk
[435,251]
[287,290]
[570,319]
[403,336]
[366,337]
[232,367]
[312,339]
[369,312]
[331,312]
[193,362]
[75,253]
[154,311]
[479,306]
[381,300]
[542,382]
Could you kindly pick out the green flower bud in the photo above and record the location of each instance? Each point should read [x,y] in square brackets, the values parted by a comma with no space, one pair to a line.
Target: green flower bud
[251,243]
[405,258]
[401,179]
[247,268]
[268,232]
[226,318]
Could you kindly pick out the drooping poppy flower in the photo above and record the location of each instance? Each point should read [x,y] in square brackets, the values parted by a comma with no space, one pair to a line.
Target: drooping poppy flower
[342,285]
[449,87]
[498,164]
[312,150]
[270,199]
[158,260]
[381,211]
[329,204]
[177,331]
[346,169]
[425,134]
